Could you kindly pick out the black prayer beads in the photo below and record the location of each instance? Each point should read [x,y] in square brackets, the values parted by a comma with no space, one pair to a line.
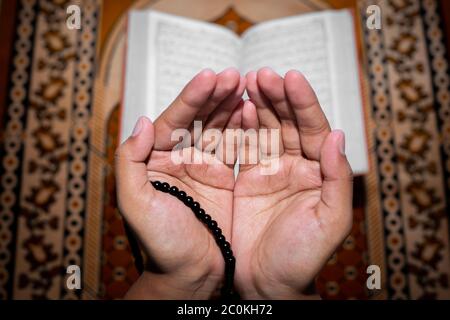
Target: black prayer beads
[225,247]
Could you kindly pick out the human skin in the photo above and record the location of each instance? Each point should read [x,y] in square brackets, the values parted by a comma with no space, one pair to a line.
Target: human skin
[286,225]
[184,260]
[282,227]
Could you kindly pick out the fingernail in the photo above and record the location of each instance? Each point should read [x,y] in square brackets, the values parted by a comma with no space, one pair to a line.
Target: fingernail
[267,69]
[230,69]
[341,141]
[138,127]
[206,71]
[293,72]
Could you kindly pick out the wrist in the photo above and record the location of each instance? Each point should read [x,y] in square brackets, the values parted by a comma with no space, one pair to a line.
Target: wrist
[278,291]
[279,295]
[151,286]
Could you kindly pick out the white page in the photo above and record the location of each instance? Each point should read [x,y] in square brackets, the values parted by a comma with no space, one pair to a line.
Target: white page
[320,45]
[347,99]
[292,43]
[164,52]
[183,47]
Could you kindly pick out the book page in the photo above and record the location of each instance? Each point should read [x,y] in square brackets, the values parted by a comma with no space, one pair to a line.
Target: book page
[292,43]
[322,46]
[179,49]
[347,98]
[164,52]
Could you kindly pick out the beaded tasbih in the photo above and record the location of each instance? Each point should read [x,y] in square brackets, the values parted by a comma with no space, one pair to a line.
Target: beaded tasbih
[227,290]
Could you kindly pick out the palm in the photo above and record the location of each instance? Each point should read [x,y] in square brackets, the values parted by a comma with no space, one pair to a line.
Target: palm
[288,223]
[183,239]
[176,243]
[277,226]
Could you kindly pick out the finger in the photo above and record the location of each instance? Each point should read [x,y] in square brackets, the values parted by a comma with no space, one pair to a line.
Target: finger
[248,150]
[229,145]
[183,110]
[130,165]
[219,118]
[266,114]
[337,188]
[312,123]
[227,82]
[221,115]
[249,116]
[272,86]
[235,120]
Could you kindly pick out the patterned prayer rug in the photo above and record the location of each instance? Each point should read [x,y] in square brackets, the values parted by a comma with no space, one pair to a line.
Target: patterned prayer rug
[60,127]
[409,131]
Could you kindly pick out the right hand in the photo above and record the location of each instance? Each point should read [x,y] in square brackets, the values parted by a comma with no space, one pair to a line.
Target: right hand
[184,260]
[287,224]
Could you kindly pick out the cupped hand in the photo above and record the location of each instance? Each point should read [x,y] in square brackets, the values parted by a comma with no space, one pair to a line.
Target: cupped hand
[288,223]
[183,258]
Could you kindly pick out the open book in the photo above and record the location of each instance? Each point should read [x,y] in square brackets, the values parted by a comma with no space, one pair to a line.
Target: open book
[165,51]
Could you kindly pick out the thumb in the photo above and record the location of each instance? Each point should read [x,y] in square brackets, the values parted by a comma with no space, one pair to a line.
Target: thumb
[337,187]
[131,165]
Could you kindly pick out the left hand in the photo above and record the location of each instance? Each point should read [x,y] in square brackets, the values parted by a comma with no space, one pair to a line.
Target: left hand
[184,261]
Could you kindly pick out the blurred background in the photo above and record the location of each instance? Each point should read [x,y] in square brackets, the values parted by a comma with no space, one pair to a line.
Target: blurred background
[60,93]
